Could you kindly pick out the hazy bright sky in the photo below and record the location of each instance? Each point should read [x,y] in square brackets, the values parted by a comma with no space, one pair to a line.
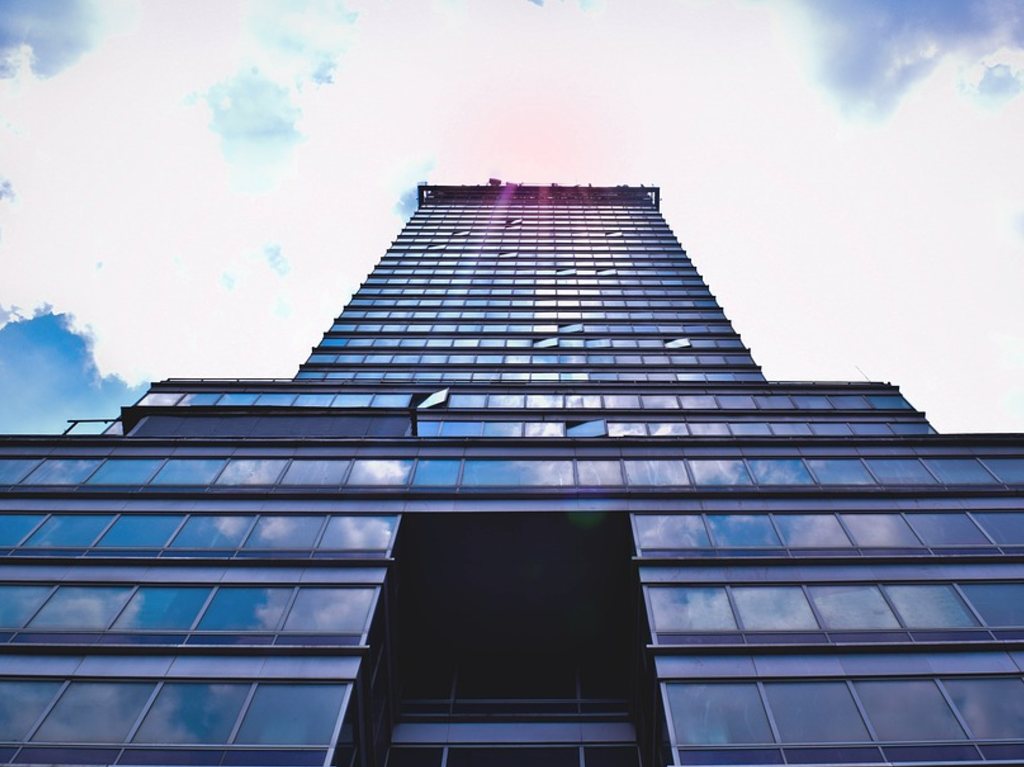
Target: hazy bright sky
[194,188]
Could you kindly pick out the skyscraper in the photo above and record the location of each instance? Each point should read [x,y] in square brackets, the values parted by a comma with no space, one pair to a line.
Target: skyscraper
[530,501]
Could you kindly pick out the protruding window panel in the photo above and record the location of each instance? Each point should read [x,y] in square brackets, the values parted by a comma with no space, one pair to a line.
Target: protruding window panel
[718,713]
[437,399]
[545,343]
[578,429]
[678,343]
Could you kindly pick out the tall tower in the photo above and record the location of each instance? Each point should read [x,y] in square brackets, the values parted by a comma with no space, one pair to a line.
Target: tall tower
[530,501]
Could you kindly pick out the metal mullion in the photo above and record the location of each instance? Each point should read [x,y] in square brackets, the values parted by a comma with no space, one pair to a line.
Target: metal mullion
[846,531]
[279,627]
[969,513]
[242,711]
[104,530]
[65,683]
[174,533]
[33,530]
[759,684]
[967,603]
[135,590]
[670,727]
[214,588]
[322,531]
[805,590]
[737,618]
[145,710]
[892,606]
[937,681]
[35,614]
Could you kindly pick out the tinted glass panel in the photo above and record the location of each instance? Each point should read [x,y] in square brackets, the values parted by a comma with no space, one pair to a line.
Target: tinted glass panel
[721,472]
[21,704]
[89,607]
[1004,527]
[380,472]
[342,610]
[599,473]
[781,472]
[186,712]
[940,529]
[245,609]
[930,606]
[1009,470]
[811,530]
[773,608]
[13,469]
[738,530]
[908,709]
[14,527]
[959,471]
[94,712]
[55,471]
[852,607]
[656,473]
[163,607]
[993,708]
[313,713]
[900,471]
[433,473]
[188,471]
[315,473]
[251,472]
[212,533]
[707,714]
[839,471]
[291,532]
[682,531]
[815,712]
[67,530]
[140,531]
[999,604]
[691,609]
[358,533]
[557,473]
[881,530]
[19,603]
[125,471]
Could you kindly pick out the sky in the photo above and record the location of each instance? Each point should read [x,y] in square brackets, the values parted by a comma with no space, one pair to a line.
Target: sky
[194,189]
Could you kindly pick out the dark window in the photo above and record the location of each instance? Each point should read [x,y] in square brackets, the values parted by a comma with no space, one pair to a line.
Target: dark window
[815,712]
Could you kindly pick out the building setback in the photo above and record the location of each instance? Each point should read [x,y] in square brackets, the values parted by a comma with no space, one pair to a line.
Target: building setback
[530,501]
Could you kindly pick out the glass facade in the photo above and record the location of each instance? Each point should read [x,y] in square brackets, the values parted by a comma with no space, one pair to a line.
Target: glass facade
[530,500]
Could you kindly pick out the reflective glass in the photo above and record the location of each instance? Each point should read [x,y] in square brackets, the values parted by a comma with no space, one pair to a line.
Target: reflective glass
[437,473]
[720,713]
[206,398]
[207,532]
[352,400]
[781,472]
[380,472]
[959,471]
[21,704]
[811,530]
[943,529]
[245,609]
[251,472]
[322,609]
[14,527]
[192,712]
[82,607]
[68,530]
[932,606]
[993,708]
[163,607]
[676,531]
[19,603]
[900,471]
[140,531]
[840,471]
[736,530]
[1004,526]
[690,609]
[13,469]
[188,471]
[237,398]
[514,473]
[999,604]
[1009,470]
[392,400]
[61,471]
[284,532]
[125,471]
[313,711]
[773,608]
[358,533]
[908,709]
[815,712]
[598,473]
[719,472]
[881,530]
[94,712]
[656,473]
[852,607]
[315,473]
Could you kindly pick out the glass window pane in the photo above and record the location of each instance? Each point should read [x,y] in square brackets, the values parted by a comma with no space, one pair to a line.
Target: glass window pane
[811,530]
[94,712]
[285,532]
[999,604]
[929,606]
[709,714]
[163,607]
[358,533]
[781,472]
[208,532]
[900,471]
[656,473]
[313,714]
[840,471]
[315,473]
[993,708]
[773,608]
[815,712]
[437,473]
[742,530]
[342,610]
[719,472]
[251,472]
[13,469]
[61,471]
[140,531]
[188,471]
[245,609]
[82,607]
[852,607]
[1009,470]
[14,527]
[514,473]
[943,529]
[908,709]
[21,704]
[125,471]
[19,603]
[1004,526]
[879,530]
[690,609]
[959,471]
[69,530]
[675,531]
[380,472]
[192,712]
[598,473]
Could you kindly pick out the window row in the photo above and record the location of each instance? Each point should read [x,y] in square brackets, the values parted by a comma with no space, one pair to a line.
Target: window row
[665,532]
[601,428]
[501,328]
[528,343]
[528,359]
[343,610]
[606,293]
[170,712]
[785,472]
[386,374]
[570,276]
[532,316]
[858,711]
[638,265]
[187,532]
[833,607]
[525,303]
